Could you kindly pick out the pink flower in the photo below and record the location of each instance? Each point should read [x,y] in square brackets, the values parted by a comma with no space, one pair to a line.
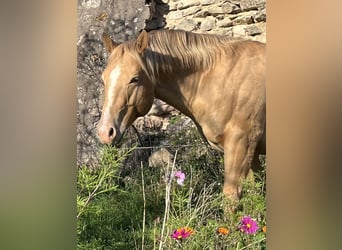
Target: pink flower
[248,225]
[182,233]
[180,176]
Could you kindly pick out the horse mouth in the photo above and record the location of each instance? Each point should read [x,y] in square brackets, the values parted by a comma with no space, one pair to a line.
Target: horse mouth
[118,139]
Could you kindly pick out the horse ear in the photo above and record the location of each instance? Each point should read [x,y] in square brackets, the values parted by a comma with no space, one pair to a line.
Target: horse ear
[108,43]
[142,40]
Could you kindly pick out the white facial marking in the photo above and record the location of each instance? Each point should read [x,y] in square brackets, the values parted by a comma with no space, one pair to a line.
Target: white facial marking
[114,75]
[113,78]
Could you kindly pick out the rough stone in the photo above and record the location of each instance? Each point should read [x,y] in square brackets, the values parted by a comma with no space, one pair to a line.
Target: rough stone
[148,123]
[175,15]
[160,108]
[188,3]
[202,13]
[173,6]
[243,18]
[222,32]
[260,16]
[91,3]
[260,38]
[187,24]
[191,11]
[253,30]
[251,4]
[220,17]
[208,2]
[226,22]
[215,10]
[230,8]
[171,24]
[239,30]
[236,2]
[160,158]
[208,23]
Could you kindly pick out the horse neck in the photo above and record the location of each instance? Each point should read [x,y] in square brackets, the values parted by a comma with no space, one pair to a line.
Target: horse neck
[178,89]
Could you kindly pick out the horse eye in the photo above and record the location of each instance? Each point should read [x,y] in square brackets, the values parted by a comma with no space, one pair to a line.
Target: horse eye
[134,79]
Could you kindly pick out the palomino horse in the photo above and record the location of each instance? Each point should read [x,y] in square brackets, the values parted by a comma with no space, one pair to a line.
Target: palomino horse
[219,82]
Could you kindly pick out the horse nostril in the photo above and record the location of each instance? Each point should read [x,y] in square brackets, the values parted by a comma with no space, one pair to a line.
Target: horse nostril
[111,132]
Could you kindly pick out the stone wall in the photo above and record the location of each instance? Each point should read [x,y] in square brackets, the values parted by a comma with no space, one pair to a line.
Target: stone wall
[123,20]
[237,18]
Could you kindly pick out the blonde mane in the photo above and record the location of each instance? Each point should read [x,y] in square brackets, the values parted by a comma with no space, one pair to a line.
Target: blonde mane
[170,50]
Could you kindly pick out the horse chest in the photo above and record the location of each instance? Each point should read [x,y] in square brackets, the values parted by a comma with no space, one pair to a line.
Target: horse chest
[214,136]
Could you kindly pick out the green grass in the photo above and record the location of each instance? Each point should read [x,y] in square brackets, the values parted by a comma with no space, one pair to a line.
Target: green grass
[142,209]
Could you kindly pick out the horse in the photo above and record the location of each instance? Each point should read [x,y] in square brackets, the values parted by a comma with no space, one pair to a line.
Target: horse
[217,81]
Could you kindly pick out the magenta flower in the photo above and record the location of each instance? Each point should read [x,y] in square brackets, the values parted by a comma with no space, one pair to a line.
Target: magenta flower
[182,233]
[180,176]
[248,225]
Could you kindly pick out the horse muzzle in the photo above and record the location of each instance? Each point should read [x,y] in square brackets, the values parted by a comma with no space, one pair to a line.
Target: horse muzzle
[108,134]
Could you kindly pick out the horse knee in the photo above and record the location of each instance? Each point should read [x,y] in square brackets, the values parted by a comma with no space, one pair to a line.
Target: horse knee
[232,192]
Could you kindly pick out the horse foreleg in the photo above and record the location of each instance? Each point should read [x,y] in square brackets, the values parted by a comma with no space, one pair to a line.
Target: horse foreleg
[239,151]
[235,151]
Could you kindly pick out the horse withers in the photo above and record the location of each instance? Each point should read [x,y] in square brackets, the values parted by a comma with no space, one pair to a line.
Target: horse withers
[219,82]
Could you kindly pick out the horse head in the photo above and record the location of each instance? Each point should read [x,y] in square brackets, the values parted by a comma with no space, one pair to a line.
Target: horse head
[128,92]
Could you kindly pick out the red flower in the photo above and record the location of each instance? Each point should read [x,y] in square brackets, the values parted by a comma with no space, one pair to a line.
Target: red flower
[248,225]
[182,233]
